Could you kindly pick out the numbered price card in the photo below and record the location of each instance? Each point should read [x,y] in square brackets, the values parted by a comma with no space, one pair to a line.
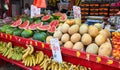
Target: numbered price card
[35,11]
[56,49]
[77,12]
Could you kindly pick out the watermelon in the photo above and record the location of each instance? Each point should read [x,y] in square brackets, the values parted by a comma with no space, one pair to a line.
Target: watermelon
[32,26]
[16,23]
[10,30]
[43,27]
[18,32]
[4,28]
[63,18]
[40,36]
[47,18]
[54,23]
[52,29]
[24,25]
[57,15]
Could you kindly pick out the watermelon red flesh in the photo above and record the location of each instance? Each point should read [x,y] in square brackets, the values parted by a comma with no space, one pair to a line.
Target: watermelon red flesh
[54,23]
[24,25]
[63,17]
[43,27]
[32,26]
[52,29]
[45,18]
[16,23]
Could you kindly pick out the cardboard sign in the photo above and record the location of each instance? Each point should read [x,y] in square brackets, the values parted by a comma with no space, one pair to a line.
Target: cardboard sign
[35,11]
[56,50]
[77,12]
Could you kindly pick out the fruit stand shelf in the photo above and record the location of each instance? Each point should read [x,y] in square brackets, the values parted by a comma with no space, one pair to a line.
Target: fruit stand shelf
[74,56]
[19,63]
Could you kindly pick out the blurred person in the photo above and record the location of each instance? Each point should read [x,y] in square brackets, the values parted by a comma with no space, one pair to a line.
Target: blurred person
[27,9]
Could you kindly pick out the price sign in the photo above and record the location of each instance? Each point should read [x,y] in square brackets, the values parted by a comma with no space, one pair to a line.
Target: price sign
[56,50]
[35,11]
[77,12]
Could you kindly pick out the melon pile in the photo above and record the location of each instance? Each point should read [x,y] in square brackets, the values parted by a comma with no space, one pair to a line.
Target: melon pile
[92,39]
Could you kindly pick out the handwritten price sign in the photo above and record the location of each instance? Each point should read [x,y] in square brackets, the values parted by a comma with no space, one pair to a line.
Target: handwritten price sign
[35,11]
[56,50]
[77,12]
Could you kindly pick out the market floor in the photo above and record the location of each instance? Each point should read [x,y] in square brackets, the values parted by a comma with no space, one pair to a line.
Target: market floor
[9,66]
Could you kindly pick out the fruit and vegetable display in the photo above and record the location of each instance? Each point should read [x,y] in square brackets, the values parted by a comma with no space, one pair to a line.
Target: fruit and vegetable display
[30,57]
[116,44]
[92,39]
[35,28]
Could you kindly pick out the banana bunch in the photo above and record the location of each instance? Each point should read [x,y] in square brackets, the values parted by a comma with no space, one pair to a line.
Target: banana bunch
[17,55]
[8,51]
[28,57]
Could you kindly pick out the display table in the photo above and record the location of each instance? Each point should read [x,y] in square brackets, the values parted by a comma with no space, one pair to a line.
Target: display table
[76,57]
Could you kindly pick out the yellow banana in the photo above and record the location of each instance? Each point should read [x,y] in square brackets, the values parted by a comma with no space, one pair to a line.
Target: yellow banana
[30,58]
[40,56]
[26,54]
[33,60]
[31,49]
[9,45]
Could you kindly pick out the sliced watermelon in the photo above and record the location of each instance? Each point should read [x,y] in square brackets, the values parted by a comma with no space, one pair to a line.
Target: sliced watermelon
[54,23]
[43,27]
[24,25]
[63,18]
[46,18]
[32,26]
[52,29]
[16,23]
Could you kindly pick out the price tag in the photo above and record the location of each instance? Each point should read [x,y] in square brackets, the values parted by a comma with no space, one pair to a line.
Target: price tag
[35,11]
[56,49]
[77,12]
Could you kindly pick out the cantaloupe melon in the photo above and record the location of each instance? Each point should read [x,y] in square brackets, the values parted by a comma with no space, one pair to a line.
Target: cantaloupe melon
[106,33]
[65,28]
[57,34]
[98,25]
[73,29]
[83,29]
[48,39]
[77,21]
[100,39]
[86,39]
[68,44]
[78,46]
[75,37]
[65,38]
[92,48]
[105,49]
[93,31]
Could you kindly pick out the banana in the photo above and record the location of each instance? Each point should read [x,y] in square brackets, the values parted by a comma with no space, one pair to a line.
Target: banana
[40,57]
[56,66]
[25,51]
[5,51]
[19,57]
[31,49]
[41,64]
[10,54]
[4,44]
[33,60]
[6,54]
[9,45]
[26,54]
[36,60]
[25,61]
[28,60]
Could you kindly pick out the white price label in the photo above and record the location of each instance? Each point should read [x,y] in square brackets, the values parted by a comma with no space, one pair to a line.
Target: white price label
[56,50]
[77,12]
[35,11]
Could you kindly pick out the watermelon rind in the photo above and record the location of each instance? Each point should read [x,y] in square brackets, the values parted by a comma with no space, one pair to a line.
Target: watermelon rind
[24,25]
[27,33]
[33,26]
[16,23]
[4,28]
[10,30]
